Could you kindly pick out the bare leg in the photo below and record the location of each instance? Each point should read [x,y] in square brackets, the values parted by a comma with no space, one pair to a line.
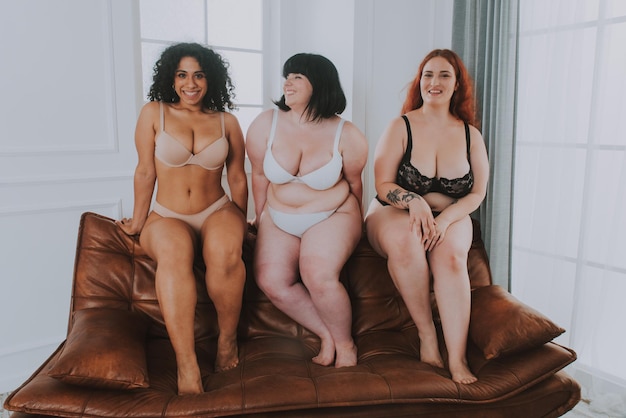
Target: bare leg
[452,290]
[222,235]
[276,272]
[170,243]
[324,250]
[412,279]
[388,232]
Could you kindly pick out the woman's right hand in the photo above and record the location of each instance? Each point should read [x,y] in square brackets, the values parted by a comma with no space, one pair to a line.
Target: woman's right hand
[421,219]
[129,226]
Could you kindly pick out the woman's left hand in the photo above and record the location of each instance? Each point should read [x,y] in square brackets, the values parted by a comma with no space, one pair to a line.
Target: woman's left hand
[438,234]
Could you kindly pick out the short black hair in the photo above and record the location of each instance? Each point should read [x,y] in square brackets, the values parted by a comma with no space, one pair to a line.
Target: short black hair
[220,91]
[328,98]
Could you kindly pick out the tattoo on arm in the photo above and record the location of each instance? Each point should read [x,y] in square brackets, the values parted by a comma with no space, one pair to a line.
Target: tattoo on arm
[401,197]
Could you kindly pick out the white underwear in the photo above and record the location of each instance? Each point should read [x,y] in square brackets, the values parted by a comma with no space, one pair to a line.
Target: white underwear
[297,223]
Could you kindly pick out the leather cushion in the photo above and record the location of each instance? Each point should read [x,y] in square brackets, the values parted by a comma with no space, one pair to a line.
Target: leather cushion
[104,349]
[501,324]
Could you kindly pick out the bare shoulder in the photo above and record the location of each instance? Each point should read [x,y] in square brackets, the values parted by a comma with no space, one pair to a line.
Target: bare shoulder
[351,129]
[398,124]
[260,125]
[150,109]
[353,145]
[353,134]
[264,118]
[475,135]
[396,131]
[149,118]
[257,134]
[475,132]
[230,119]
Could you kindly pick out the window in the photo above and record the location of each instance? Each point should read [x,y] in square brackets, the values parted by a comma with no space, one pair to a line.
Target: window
[234,29]
[569,232]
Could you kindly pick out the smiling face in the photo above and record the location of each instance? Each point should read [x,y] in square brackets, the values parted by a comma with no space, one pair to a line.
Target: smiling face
[297,90]
[438,81]
[190,81]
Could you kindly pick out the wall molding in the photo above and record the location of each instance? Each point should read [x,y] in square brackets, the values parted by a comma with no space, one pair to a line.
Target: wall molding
[108,89]
[67,179]
[83,206]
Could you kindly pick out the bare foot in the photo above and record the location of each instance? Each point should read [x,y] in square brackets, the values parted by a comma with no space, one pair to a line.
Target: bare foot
[346,356]
[326,356]
[462,374]
[189,381]
[429,351]
[227,355]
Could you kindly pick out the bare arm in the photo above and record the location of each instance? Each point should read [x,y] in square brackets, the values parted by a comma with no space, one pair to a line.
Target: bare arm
[354,150]
[389,151]
[145,172]
[256,143]
[235,171]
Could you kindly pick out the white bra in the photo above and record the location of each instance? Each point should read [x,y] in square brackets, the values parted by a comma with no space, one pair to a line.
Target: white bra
[322,178]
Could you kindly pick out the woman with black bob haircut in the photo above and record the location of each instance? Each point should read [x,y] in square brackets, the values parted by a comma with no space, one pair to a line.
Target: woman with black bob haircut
[328,98]
[306,181]
[220,91]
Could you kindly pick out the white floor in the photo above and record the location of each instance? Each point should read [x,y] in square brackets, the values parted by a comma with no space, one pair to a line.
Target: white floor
[3,413]
[585,410]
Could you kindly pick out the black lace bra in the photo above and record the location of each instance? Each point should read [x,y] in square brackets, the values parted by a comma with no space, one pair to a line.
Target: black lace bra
[412,180]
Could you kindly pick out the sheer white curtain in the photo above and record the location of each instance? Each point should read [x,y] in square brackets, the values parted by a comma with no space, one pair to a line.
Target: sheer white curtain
[569,220]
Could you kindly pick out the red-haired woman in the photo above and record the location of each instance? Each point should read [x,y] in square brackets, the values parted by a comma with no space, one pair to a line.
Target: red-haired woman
[431,171]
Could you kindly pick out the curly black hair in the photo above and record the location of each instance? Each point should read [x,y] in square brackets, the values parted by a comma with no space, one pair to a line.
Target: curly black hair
[220,91]
[328,98]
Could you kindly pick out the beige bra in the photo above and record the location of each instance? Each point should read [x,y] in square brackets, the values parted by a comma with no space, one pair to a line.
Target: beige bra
[173,153]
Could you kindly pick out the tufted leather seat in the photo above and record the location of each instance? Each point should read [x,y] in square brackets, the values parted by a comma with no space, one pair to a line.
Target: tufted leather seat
[275,377]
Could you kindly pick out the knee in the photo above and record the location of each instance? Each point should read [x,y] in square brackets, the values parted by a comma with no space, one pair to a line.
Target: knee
[174,255]
[276,294]
[222,254]
[455,253]
[450,259]
[320,281]
[264,279]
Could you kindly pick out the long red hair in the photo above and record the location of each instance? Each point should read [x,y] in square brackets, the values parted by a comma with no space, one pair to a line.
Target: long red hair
[462,104]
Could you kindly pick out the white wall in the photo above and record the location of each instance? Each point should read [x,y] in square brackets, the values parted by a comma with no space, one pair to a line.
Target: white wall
[391,39]
[70,93]
[324,27]
[72,89]
[376,45]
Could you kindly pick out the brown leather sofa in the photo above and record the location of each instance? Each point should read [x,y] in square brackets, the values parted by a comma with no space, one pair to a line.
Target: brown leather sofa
[117,360]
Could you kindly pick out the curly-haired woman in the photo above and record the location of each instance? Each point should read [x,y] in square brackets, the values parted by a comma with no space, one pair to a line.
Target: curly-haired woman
[184,138]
